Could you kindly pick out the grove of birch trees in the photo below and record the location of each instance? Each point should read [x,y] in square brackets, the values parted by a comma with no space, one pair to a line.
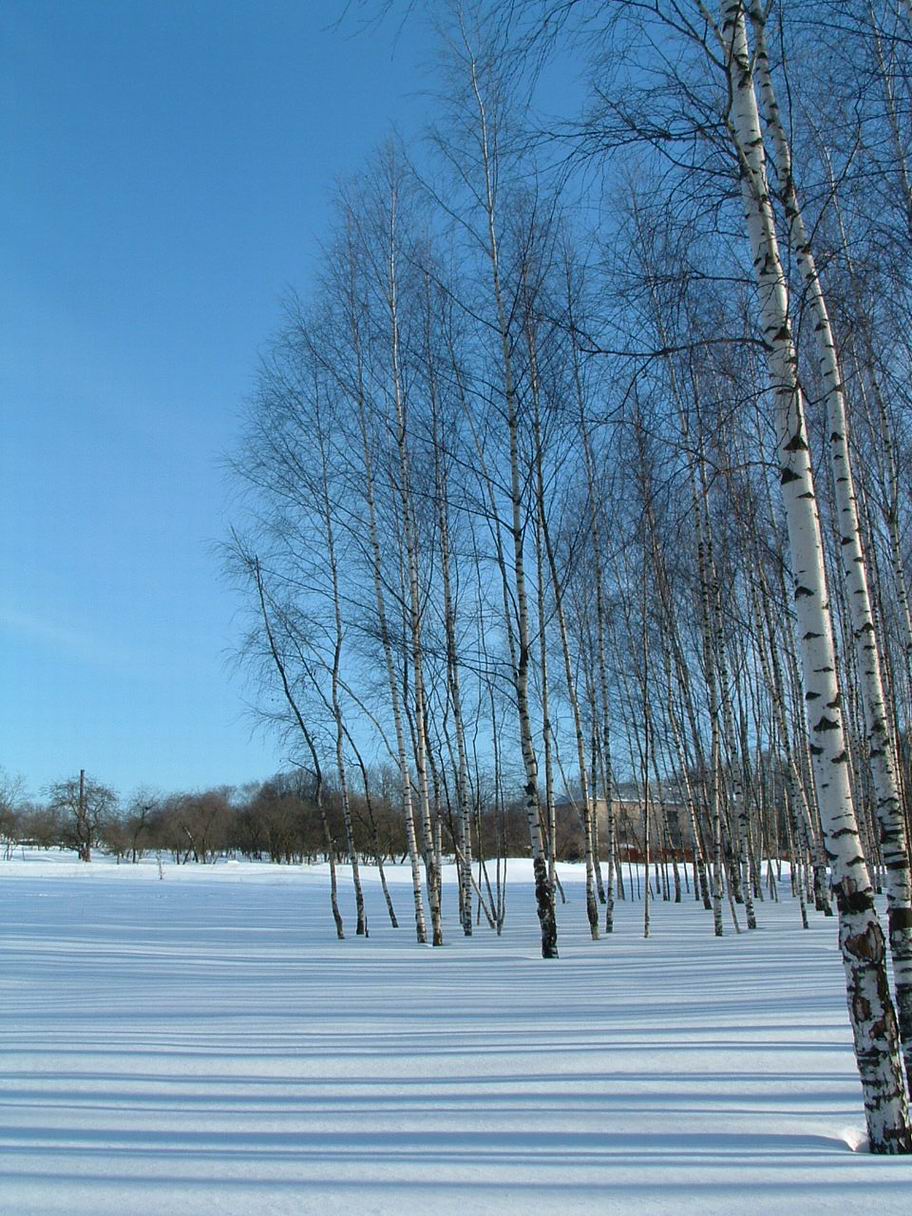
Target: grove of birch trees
[580,477]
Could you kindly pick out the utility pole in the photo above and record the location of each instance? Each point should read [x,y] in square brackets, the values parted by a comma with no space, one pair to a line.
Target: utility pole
[84,854]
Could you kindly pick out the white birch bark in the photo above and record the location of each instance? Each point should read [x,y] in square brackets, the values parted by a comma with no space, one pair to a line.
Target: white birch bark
[897,561]
[740,815]
[409,530]
[549,807]
[861,937]
[678,679]
[454,692]
[341,768]
[701,886]
[588,810]
[772,675]
[646,753]
[881,750]
[335,677]
[392,681]
[714,785]
[711,891]
[544,889]
[375,834]
[602,724]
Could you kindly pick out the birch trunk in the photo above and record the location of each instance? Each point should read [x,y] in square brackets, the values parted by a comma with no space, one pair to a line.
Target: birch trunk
[454,689]
[714,784]
[861,937]
[375,834]
[588,810]
[549,809]
[601,723]
[881,751]
[409,529]
[335,674]
[392,681]
[544,889]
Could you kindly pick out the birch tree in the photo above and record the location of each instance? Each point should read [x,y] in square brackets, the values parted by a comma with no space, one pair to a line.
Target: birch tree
[861,937]
[889,810]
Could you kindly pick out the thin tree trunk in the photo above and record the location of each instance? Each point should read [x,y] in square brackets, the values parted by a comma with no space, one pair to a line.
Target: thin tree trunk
[253,564]
[544,889]
[386,642]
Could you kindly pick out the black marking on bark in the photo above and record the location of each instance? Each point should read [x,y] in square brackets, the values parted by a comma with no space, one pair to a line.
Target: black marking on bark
[826,723]
[796,444]
[861,1006]
[864,945]
[852,901]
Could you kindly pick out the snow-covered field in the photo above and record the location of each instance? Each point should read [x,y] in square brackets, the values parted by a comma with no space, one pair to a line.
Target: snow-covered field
[203,1044]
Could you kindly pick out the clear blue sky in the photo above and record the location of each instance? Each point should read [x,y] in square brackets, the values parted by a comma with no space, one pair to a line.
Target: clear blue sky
[166,173]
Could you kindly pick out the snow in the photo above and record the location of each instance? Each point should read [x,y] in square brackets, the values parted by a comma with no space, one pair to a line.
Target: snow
[203,1044]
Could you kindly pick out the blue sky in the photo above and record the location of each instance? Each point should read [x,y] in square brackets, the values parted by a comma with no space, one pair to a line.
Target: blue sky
[167,169]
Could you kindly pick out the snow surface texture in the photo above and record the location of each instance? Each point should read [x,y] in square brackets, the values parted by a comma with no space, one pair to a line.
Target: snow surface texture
[203,1044]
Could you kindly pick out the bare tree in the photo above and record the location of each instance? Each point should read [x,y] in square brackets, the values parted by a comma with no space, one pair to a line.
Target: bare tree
[85,805]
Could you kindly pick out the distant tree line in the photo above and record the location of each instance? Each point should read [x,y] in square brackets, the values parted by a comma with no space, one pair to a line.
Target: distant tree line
[278,821]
